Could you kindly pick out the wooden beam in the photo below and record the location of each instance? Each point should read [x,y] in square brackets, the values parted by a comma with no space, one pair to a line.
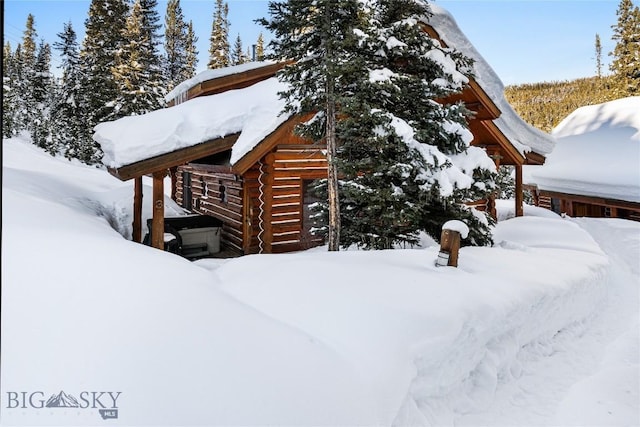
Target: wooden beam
[157,225]
[178,157]
[519,192]
[137,210]
[534,158]
[283,134]
[593,200]
[510,155]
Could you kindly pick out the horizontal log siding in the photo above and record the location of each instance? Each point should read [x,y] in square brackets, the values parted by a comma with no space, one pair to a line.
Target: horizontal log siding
[229,211]
[292,165]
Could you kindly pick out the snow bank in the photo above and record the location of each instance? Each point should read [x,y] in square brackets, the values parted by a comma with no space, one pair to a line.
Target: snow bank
[522,135]
[253,112]
[598,153]
[311,338]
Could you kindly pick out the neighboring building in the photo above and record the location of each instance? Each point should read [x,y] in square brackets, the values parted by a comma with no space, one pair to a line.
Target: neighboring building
[594,170]
[232,154]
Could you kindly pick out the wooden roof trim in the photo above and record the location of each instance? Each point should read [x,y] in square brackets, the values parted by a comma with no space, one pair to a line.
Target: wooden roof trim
[174,158]
[233,81]
[597,200]
[284,133]
[533,158]
[506,147]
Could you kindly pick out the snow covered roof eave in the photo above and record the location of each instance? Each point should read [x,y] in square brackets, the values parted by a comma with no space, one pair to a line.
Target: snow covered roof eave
[222,77]
[524,137]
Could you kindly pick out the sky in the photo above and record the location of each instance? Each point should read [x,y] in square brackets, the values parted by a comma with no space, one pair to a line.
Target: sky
[525,41]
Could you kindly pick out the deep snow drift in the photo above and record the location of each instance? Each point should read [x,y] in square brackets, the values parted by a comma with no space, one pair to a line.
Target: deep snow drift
[597,153]
[541,329]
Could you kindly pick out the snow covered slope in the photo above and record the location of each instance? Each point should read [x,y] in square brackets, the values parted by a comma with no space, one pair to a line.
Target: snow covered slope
[523,333]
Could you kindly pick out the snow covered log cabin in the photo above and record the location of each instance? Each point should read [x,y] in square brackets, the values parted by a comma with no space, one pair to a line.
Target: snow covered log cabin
[594,171]
[232,154]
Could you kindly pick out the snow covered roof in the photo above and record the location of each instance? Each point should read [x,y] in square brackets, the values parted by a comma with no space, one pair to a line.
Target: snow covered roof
[208,75]
[523,136]
[597,154]
[252,112]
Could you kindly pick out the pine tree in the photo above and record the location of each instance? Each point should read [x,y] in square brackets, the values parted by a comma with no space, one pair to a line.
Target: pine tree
[29,44]
[260,48]
[598,56]
[175,44]
[219,49]
[626,63]
[9,92]
[42,87]
[400,147]
[320,37]
[20,92]
[137,72]
[237,55]
[69,132]
[27,107]
[103,38]
[42,79]
[192,53]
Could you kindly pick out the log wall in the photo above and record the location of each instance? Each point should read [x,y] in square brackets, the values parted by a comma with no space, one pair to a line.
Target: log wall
[282,183]
[219,194]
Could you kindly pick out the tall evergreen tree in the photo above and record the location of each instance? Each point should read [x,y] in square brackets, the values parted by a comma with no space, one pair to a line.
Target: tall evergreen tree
[219,48]
[26,76]
[70,134]
[192,53]
[42,87]
[626,54]
[9,92]
[237,55]
[320,37]
[151,29]
[598,56]
[42,79]
[137,73]
[104,36]
[29,48]
[174,42]
[401,148]
[260,48]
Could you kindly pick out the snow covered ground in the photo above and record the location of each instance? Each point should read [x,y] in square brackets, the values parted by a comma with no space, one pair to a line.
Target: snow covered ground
[542,329]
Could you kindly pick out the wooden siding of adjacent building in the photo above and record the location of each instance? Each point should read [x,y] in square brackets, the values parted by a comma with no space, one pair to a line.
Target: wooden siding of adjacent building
[215,193]
[575,205]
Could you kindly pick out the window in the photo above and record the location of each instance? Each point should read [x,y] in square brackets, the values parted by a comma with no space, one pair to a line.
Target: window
[223,193]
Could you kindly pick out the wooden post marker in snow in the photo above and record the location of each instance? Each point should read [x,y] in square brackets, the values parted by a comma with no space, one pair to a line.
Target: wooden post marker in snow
[452,231]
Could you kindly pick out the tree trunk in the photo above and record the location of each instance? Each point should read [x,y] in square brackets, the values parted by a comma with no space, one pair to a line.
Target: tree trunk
[330,133]
[332,185]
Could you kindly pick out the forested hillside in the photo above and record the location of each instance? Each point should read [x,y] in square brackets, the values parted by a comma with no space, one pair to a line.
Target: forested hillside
[544,105]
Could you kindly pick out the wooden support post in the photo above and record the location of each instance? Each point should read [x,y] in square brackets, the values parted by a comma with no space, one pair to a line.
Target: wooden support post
[449,248]
[137,210]
[157,225]
[491,206]
[519,192]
